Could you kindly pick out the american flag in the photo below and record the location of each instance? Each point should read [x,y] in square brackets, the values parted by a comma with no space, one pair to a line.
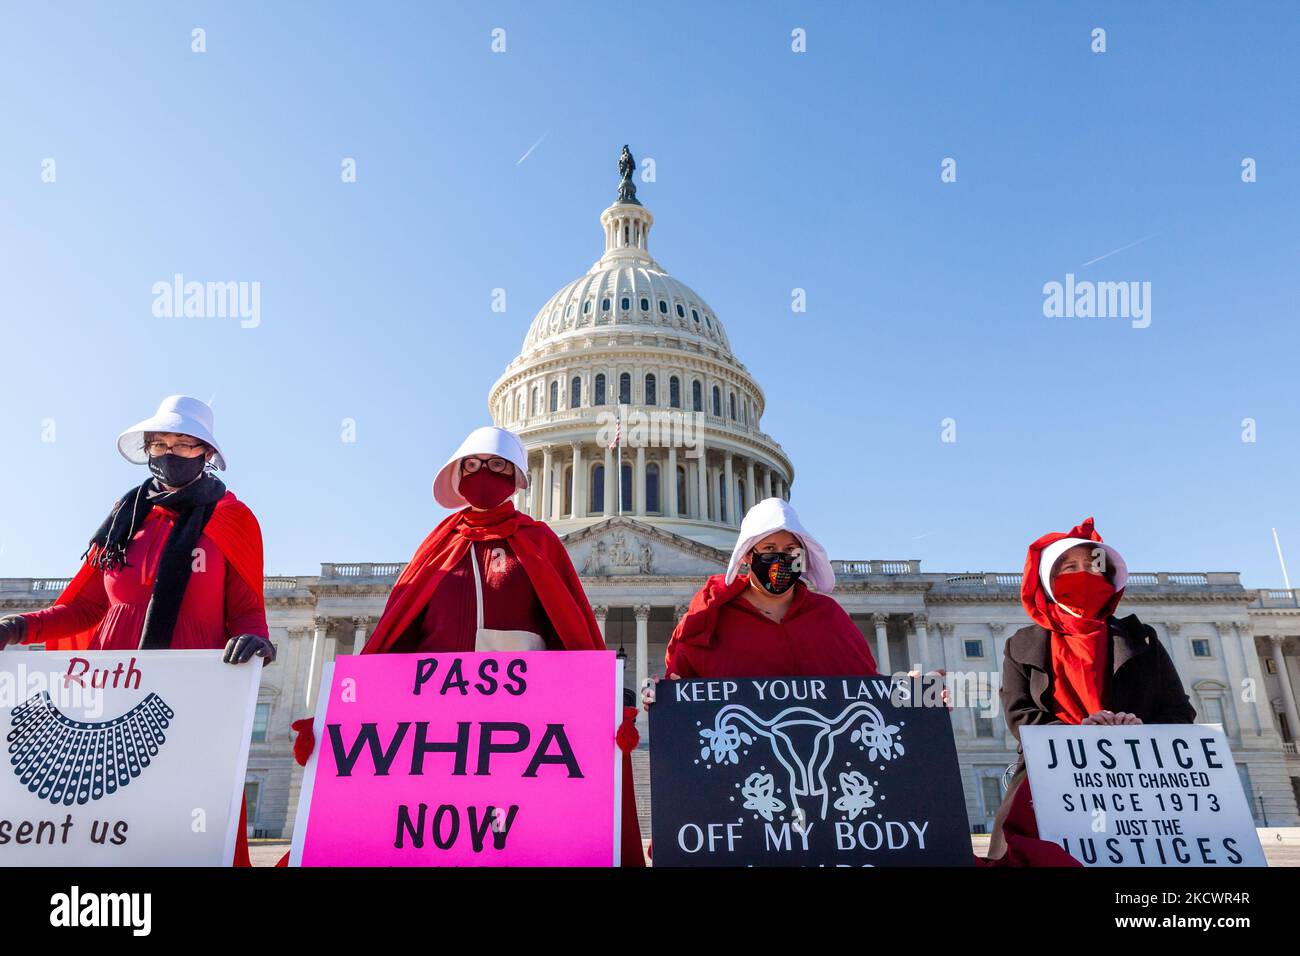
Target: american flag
[618,431]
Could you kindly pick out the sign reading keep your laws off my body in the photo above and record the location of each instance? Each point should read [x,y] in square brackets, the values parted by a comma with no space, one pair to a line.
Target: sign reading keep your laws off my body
[805,771]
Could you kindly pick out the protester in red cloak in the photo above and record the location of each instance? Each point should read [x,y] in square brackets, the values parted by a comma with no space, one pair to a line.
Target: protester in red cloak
[490,578]
[760,619]
[140,587]
[1076,664]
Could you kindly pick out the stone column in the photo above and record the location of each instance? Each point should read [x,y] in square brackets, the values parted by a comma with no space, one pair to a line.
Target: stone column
[611,507]
[601,612]
[882,643]
[749,484]
[1255,674]
[642,613]
[767,482]
[1233,663]
[702,483]
[1284,678]
[317,662]
[638,482]
[535,493]
[729,480]
[922,638]
[547,488]
[359,633]
[670,499]
[579,483]
[997,631]
[945,634]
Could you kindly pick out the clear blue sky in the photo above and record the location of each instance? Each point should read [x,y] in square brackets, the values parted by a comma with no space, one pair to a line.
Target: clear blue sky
[775,171]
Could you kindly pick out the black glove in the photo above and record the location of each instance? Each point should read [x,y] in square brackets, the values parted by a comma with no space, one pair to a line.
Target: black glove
[12,629]
[242,648]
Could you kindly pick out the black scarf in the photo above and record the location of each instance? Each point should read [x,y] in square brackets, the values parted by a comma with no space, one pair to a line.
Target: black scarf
[193,505]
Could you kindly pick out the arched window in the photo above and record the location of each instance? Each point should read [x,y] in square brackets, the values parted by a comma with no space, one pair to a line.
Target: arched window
[586,307]
[626,304]
[722,497]
[555,396]
[732,399]
[663,306]
[645,304]
[598,490]
[697,396]
[675,392]
[627,488]
[696,316]
[537,400]
[625,389]
[575,393]
[604,304]
[681,312]
[652,488]
[650,397]
[600,390]
[717,402]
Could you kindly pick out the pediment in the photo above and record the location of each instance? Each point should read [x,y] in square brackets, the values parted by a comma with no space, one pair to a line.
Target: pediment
[621,546]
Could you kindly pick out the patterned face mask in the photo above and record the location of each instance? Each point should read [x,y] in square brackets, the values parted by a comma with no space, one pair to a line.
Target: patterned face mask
[775,573]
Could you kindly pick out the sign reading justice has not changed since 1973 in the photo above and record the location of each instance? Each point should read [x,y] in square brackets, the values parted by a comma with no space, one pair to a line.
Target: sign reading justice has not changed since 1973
[805,771]
[1152,795]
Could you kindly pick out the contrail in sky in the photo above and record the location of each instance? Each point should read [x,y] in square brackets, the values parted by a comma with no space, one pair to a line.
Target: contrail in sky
[531,148]
[1120,249]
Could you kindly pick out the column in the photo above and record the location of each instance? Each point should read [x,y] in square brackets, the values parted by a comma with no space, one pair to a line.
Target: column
[670,497]
[749,484]
[729,480]
[601,612]
[882,643]
[767,482]
[556,484]
[547,490]
[945,634]
[922,638]
[535,493]
[359,633]
[997,631]
[1284,678]
[1236,675]
[611,483]
[642,613]
[1255,674]
[638,482]
[702,484]
[579,483]
[317,662]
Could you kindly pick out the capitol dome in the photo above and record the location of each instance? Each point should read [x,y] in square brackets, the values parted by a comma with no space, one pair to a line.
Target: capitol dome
[628,349]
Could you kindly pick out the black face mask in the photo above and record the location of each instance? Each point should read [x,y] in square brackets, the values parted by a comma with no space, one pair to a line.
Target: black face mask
[174,470]
[775,573]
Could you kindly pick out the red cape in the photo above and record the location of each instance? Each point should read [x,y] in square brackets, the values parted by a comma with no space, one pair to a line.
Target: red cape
[540,552]
[232,527]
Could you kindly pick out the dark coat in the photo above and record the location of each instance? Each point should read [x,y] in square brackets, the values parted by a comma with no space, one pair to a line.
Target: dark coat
[1143,680]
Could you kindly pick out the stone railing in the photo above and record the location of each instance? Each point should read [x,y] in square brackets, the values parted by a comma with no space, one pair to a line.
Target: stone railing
[1276,597]
[361,569]
[876,567]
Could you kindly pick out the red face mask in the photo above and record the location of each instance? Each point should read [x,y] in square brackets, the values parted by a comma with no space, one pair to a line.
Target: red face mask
[1082,592]
[486,489]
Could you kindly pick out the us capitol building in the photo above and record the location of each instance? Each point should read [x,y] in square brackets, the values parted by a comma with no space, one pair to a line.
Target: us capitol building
[626,348]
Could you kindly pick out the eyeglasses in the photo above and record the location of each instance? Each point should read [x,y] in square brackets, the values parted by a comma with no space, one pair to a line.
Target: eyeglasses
[495,465]
[157,449]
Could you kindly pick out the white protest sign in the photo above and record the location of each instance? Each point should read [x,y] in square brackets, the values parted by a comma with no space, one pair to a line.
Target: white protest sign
[115,758]
[1145,795]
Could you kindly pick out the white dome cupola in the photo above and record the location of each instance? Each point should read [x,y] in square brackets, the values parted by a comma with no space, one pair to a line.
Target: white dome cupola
[628,337]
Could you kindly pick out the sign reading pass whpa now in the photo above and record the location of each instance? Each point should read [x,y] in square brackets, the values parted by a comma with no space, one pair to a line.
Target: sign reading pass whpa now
[123,759]
[1147,795]
[464,760]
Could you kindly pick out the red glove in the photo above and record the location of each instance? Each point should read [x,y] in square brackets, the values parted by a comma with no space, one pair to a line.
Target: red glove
[305,742]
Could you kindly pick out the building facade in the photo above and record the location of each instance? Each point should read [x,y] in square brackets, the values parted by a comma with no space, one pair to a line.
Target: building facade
[630,357]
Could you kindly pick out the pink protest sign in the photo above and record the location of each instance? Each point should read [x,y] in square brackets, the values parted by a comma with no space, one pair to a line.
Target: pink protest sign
[464,760]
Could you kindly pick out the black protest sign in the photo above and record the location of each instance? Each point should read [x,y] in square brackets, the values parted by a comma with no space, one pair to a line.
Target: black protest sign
[805,771]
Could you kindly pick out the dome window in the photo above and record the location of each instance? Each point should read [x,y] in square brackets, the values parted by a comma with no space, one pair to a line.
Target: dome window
[645,304]
[586,307]
[651,389]
[626,304]
[663,306]
[681,312]
[706,321]
[599,390]
[717,402]
[697,396]
[732,398]
[696,316]
[575,393]
[675,392]
[604,304]
[555,396]
[625,389]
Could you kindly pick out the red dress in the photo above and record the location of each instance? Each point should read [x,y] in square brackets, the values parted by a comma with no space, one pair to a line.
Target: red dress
[217,606]
[723,635]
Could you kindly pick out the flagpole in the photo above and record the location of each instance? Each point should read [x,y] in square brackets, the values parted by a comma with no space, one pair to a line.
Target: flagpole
[1280,560]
